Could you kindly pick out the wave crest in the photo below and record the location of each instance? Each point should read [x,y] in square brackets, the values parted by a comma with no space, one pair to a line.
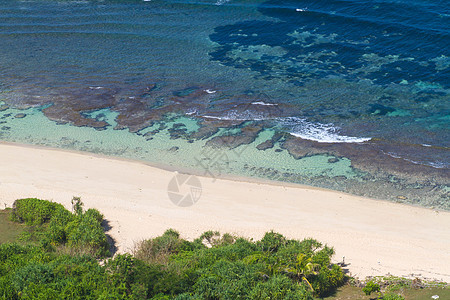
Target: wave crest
[322,133]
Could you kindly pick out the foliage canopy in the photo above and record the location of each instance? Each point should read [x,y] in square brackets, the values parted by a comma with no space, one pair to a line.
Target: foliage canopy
[64,263]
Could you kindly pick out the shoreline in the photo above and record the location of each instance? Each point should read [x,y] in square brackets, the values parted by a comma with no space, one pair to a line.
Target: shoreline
[198,173]
[375,236]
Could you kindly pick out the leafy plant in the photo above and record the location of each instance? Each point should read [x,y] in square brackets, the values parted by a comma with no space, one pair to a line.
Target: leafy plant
[64,263]
[392,296]
[33,211]
[280,287]
[371,287]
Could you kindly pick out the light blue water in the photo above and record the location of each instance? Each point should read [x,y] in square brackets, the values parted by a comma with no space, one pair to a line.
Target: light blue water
[350,95]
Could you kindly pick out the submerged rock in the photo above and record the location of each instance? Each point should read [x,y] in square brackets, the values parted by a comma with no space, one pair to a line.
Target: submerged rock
[270,143]
[246,136]
[20,116]
[174,149]
[333,160]
[265,145]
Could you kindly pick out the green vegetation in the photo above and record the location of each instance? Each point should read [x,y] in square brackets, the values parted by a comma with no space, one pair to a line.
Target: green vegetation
[352,292]
[398,288]
[9,231]
[33,211]
[371,287]
[427,293]
[55,227]
[59,252]
[64,255]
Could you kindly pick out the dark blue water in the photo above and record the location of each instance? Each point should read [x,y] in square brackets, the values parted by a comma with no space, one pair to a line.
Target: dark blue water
[364,80]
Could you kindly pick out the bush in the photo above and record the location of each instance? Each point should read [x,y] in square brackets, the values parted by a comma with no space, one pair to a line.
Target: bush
[272,241]
[371,287]
[7,251]
[392,296]
[327,280]
[85,234]
[280,287]
[214,266]
[32,211]
[55,226]
[159,249]
[227,280]
[33,273]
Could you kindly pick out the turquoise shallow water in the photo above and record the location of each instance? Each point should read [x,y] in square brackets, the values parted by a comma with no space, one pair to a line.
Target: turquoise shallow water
[347,95]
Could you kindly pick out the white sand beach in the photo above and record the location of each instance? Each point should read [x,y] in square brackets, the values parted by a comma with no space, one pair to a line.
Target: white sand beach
[376,237]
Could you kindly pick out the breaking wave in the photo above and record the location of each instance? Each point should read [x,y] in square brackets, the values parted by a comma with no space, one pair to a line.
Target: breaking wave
[322,133]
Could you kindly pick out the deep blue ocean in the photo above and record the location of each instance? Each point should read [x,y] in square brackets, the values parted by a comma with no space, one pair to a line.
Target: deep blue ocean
[352,95]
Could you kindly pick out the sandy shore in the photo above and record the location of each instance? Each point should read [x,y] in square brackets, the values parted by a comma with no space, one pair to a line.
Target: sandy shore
[376,237]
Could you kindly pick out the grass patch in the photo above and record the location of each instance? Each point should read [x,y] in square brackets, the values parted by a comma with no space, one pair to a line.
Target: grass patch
[9,230]
[348,292]
[425,294]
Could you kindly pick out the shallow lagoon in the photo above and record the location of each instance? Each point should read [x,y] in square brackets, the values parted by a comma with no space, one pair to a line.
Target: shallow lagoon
[265,89]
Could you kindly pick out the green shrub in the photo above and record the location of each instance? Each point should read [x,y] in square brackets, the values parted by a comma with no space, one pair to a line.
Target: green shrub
[37,273]
[392,296]
[371,287]
[121,270]
[272,241]
[210,238]
[227,280]
[327,280]
[80,233]
[214,266]
[279,287]
[6,289]
[185,296]
[85,234]
[159,249]
[323,256]
[309,246]
[33,211]
[94,215]
[56,232]
[7,251]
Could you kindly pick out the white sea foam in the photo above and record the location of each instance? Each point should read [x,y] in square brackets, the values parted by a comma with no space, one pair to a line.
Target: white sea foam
[239,116]
[221,2]
[191,112]
[210,91]
[95,87]
[217,118]
[235,117]
[264,103]
[438,165]
[434,164]
[391,154]
[322,133]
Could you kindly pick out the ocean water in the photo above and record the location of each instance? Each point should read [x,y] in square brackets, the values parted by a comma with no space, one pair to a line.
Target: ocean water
[351,95]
